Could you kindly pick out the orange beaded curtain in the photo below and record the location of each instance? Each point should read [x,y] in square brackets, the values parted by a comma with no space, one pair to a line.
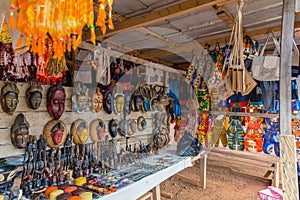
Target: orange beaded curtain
[63,20]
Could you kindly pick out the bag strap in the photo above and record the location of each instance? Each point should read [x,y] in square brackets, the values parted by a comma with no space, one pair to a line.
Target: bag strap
[236,57]
[296,50]
[217,47]
[276,43]
[229,44]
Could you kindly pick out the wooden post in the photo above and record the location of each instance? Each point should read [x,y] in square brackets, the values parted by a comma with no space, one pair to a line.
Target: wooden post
[203,171]
[287,141]
[156,192]
[287,35]
[288,167]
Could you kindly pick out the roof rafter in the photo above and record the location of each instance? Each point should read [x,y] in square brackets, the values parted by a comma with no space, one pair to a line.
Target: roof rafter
[224,15]
[135,52]
[253,33]
[189,47]
[163,14]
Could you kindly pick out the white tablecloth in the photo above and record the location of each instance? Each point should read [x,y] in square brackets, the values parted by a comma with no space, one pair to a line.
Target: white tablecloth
[137,189]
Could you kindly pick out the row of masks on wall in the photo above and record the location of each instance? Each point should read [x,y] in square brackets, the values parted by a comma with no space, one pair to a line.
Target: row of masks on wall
[55,98]
[55,131]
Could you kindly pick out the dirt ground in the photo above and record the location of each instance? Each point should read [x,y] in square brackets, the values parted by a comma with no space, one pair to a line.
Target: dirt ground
[221,182]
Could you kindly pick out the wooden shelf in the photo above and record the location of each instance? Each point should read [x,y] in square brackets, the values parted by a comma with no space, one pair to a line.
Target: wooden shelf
[244,114]
[241,114]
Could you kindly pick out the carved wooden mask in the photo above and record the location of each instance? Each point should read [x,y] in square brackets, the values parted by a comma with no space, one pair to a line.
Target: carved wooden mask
[80,131]
[20,132]
[34,95]
[55,132]
[9,98]
[56,97]
[97,100]
[97,130]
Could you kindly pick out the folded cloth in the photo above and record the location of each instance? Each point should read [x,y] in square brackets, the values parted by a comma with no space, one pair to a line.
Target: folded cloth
[70,189]
[74,198]
[63,196]
[49,190]
[54,194]
[86,195]
[77,192]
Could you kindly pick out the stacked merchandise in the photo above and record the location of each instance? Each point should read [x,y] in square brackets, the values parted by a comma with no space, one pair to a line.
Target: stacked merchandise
[241,84]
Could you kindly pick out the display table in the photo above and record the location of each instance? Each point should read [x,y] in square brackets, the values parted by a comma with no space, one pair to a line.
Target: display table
[152,182]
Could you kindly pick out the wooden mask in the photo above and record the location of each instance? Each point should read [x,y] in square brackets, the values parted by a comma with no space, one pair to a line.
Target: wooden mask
[124,126]
[141,123]
[80,131]
[107,103]
[97,130]
[80,97]
[113,128]
[132,127]
[127,104]
[19,134]
[137,100]
[56,97]
[119,102]
[97,100]
[34,95]
[9,98]
[55,132]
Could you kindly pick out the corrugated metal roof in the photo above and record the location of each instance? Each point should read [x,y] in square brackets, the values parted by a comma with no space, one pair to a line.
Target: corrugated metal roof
[202,25]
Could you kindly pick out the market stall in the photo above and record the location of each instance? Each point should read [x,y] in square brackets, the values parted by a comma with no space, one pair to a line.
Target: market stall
[79,108]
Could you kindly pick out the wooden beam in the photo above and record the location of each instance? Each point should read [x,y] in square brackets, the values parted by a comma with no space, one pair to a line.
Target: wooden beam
[187,179]
[118,17]
[154,54]
[166,13]
[182,66]
[190,46]
[158,60]
[224,3]
[156,192]
[126,56]
[158,37]
[166,194]
[287,140]
[124,48]
[224,15]
[253,33]
[287,34]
